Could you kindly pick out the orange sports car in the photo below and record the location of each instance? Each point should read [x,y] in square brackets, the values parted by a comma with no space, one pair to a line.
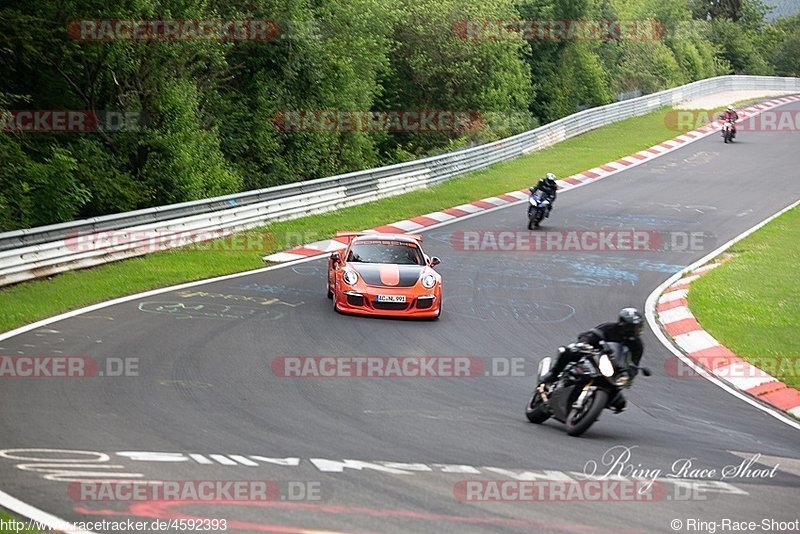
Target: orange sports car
[384,274]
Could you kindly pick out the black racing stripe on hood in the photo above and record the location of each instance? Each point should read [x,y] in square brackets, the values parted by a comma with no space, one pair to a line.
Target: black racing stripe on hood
[371,274]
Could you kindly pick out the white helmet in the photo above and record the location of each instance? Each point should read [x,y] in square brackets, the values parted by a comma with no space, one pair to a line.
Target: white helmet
[730,108]
[550,176]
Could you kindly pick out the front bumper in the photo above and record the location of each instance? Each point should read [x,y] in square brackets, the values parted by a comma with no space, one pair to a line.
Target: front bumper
[361,302]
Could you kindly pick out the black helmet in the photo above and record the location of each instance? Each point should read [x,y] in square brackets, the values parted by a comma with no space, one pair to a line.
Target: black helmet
[631,321]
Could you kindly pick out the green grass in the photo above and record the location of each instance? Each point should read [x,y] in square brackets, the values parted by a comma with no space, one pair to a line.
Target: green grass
[6,518]
[751,304]
[30,301]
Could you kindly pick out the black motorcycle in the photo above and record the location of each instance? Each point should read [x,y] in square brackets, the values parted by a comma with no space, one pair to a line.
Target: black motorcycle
[584,388]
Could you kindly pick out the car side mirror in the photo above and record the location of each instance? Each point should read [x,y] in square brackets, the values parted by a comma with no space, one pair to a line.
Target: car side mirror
[435,261]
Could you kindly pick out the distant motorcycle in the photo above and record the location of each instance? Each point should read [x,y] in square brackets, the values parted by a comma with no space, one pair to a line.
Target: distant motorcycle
[538,208]
[584,388]
[728,131]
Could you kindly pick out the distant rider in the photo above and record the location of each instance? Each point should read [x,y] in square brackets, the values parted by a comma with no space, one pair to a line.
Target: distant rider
[627,331]
[549,187]
[730,115]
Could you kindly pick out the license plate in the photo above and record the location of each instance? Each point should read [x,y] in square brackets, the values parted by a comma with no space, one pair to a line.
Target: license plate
[390,298]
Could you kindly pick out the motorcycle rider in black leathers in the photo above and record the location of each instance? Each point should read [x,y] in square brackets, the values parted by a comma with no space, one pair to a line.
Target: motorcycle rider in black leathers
[627,331]
[549,187]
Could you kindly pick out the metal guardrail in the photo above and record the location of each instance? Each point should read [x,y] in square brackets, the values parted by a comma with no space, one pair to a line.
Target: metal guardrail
[46,250]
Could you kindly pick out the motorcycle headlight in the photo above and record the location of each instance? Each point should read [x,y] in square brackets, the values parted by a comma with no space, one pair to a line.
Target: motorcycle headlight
[606,367]
[350,277]
[622,380]
[533,201]
[428,281]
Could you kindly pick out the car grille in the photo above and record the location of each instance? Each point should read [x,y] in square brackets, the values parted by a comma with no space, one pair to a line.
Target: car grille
[390,305]
[355,300]
[423,304]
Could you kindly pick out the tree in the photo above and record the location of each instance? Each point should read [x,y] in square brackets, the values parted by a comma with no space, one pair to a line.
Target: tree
[434,66]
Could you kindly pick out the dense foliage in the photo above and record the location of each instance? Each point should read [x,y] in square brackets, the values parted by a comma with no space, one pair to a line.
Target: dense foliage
[207,108]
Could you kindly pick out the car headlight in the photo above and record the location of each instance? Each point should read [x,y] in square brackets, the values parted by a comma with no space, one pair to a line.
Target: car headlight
[428,281]
[350,277]
[606,367]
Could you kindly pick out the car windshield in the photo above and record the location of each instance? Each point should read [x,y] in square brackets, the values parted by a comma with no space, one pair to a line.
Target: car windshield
[386,251]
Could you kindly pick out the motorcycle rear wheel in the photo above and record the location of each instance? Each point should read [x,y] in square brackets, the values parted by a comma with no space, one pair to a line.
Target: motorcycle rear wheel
[579,422]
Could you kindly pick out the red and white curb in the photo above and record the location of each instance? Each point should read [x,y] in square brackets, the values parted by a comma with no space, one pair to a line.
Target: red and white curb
[679,323]
[416,224]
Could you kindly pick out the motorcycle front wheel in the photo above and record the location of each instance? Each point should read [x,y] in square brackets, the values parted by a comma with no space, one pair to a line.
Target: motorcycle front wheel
[535,410]
[579,420]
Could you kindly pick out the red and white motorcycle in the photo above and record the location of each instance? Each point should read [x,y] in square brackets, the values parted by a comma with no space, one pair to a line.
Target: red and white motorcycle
[728,131]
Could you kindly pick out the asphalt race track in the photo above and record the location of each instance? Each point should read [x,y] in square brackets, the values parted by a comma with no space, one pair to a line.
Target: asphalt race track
[206,383]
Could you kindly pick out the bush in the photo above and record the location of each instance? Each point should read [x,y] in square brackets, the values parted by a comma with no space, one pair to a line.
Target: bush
[37,193]
[183,160]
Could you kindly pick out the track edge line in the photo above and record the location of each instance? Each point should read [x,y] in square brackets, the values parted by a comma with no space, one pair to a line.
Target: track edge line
[651,314]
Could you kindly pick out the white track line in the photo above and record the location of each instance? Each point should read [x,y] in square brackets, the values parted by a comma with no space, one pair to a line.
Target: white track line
[650,312]
[26,510]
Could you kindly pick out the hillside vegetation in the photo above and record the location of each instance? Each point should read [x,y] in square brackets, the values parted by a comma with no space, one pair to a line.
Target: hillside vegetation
[208,110]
